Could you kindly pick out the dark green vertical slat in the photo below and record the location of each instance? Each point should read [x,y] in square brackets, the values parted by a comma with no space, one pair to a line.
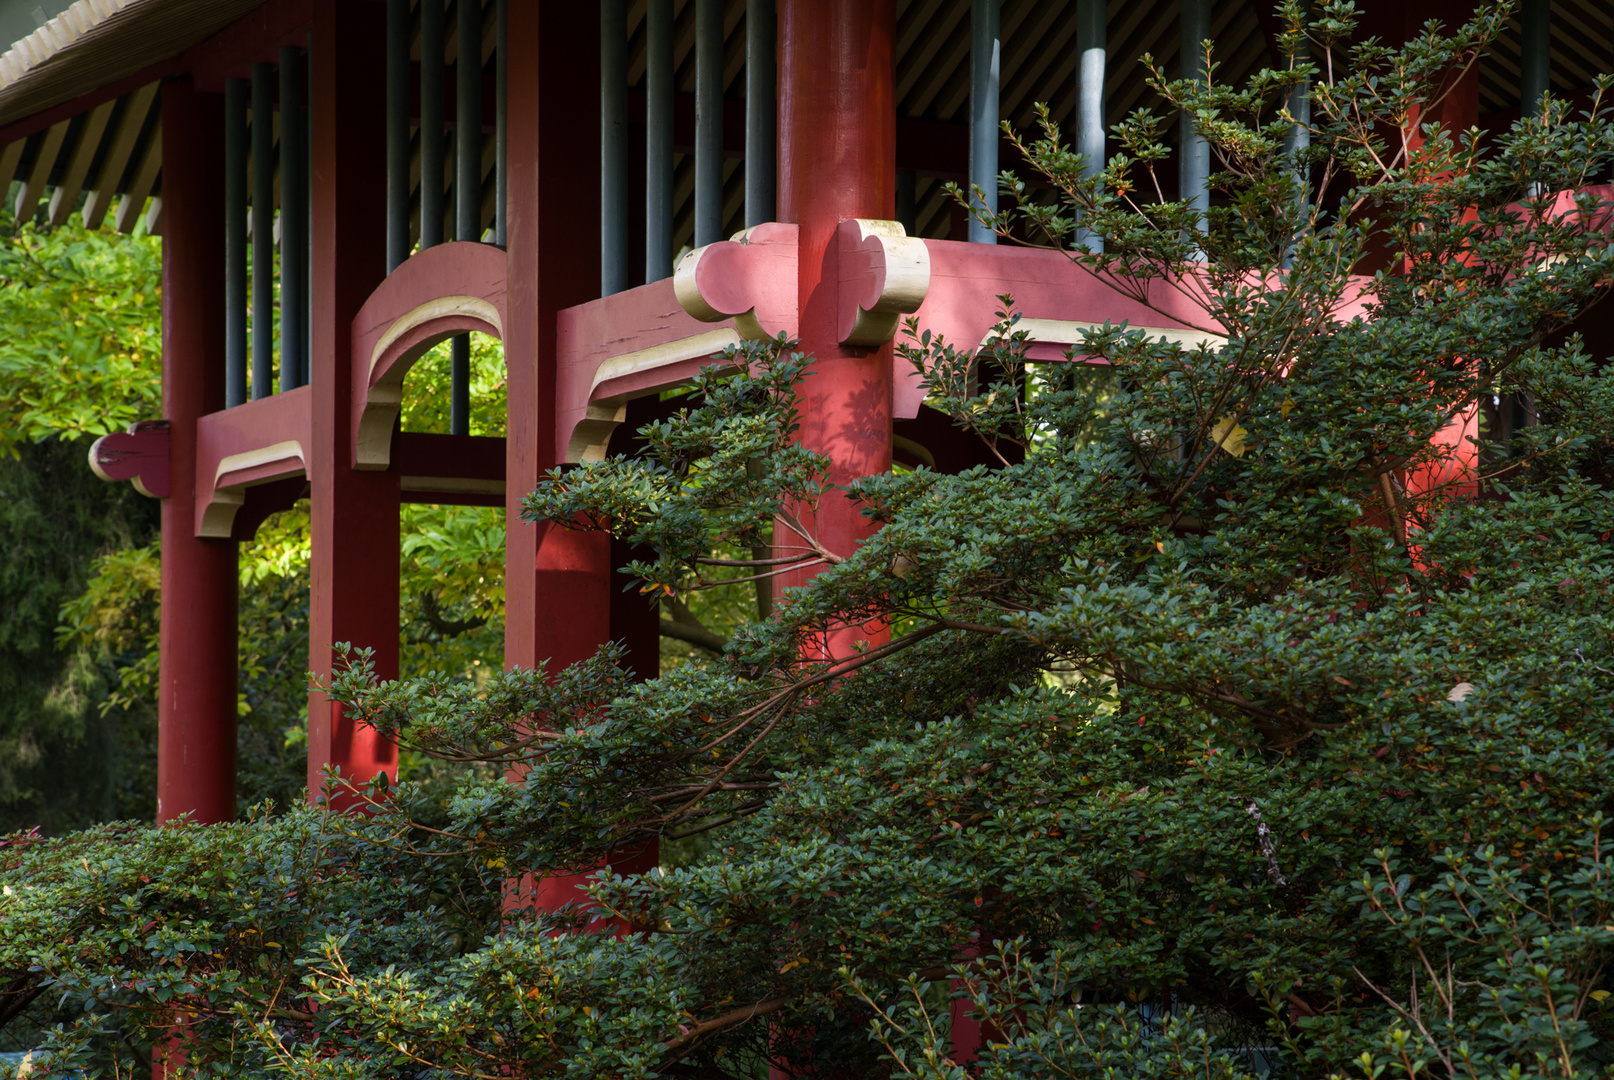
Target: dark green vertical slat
[263,229]
[235,242]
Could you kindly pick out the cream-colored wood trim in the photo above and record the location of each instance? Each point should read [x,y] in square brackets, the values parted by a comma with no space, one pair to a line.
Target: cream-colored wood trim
[439,308]
[100,199]
[266,455]
[907,281]
[218,518]
[34,187]
[384,398]
[133,202]
[1069,332]
[664,355]
[10,156]
[592,435]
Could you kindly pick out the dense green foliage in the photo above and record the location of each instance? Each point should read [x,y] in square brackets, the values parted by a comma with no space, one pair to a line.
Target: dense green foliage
[1243,720]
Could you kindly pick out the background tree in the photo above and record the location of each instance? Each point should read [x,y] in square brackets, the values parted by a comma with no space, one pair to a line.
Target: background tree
[1250,722]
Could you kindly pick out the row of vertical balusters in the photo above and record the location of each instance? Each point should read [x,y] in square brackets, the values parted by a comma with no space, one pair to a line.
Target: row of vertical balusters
[250,108]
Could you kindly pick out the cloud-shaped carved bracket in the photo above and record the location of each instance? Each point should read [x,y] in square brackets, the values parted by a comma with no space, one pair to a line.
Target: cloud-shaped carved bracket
[884,275]
[139,455]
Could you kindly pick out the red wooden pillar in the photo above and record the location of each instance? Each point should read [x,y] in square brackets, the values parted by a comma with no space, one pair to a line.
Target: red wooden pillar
[553,190]
[557,583]
[354,559]
[837,160]
[196,700]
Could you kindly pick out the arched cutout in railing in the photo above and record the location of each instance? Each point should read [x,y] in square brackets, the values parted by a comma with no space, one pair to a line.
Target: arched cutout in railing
[442,291]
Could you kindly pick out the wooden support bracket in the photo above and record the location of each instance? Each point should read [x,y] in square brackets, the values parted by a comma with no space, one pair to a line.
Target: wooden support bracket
[248,446]
[658,336]
[884,275]
[139,455]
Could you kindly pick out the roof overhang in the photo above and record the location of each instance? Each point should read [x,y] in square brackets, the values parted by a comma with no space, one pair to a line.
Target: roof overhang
[96,42]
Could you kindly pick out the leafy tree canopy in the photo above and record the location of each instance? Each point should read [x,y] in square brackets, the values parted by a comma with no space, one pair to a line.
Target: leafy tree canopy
[1249,719]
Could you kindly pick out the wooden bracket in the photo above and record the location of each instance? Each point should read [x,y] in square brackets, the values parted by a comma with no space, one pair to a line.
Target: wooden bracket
[248,446]
[139,455]
[884,275]
[658,336]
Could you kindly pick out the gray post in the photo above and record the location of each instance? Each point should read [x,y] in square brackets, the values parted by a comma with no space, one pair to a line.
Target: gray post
[1092,50]
[1193,155]
[708,121]
[263,229]
[431,123]
[984,60]
[235,242]
[613,146]
[293,209]
[397,132]
[1535,18]
[658,250]
[501,81]
[761,109]
[1299,137]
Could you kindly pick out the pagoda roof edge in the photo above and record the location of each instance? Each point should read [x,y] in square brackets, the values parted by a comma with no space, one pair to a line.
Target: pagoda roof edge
[94,43]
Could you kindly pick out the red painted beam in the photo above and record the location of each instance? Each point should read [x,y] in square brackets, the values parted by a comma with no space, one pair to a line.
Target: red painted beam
[139,455]
[257,38]
[450,470]
[460,457]
[355,551]
[196,702]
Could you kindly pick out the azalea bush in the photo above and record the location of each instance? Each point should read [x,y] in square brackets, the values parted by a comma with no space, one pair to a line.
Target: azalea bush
[1252,715]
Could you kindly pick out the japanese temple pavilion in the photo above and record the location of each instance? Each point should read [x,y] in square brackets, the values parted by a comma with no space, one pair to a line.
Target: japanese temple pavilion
[617,191]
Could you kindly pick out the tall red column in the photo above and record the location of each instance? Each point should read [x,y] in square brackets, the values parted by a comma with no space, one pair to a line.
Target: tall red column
[557,583]
[196,701]
[355,551]
[837,160]
[556,605]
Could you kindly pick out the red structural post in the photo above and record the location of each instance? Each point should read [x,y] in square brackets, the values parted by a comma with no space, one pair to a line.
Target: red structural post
[557,583]
[837,160]
[556,611]
[196,700]
[355,552]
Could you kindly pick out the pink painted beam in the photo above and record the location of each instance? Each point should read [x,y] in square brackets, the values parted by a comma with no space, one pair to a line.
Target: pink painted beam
[657,336]
[962,302]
